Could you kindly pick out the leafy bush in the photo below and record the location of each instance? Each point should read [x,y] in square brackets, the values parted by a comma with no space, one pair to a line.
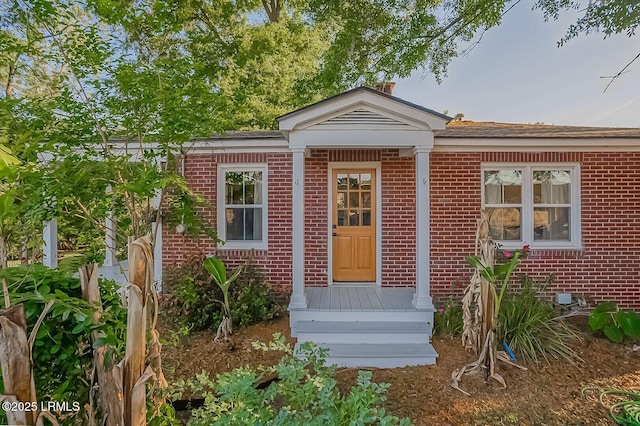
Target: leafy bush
[305,393]
[527,323]
[448,319]
[62,357]
[191,298]
[614,323]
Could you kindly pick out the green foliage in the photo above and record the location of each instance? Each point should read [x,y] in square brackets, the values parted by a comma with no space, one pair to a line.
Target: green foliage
[218,272]
[499,274]
[62,357]
[527,323]
[609,17]
[251,299]
[448,319]
[608,319]
[305,393]
[191,298]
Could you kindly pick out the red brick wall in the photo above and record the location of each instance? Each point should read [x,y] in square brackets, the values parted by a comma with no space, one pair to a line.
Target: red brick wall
[608,266]
[201,173]
[398,214]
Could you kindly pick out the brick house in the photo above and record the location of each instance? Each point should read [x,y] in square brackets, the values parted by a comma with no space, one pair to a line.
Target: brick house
[362,208]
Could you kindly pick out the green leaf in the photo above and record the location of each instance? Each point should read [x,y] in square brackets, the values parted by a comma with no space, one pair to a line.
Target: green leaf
[606,307]
[78,328]
[613,333]
[217,269]
[629,322]
[598,320]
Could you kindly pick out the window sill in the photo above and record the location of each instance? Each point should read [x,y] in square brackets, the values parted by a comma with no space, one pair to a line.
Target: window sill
[244,245]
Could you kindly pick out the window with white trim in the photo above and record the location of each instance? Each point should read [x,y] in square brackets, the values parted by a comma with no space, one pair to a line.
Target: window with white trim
[242,205]
[532,204]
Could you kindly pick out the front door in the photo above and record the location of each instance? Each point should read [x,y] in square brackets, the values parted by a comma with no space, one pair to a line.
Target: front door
[354,225]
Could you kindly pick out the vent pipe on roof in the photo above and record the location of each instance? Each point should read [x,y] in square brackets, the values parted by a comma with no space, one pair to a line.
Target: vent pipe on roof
[385,87]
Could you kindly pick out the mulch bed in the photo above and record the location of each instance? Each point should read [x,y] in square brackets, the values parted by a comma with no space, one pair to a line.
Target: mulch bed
[546,394]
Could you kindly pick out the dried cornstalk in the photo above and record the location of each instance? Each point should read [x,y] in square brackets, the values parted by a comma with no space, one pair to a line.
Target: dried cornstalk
[109,390]
[16,361]
[479,315]
[134,369]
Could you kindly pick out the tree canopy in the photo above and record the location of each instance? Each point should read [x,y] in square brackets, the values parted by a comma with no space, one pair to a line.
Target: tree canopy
[76,75]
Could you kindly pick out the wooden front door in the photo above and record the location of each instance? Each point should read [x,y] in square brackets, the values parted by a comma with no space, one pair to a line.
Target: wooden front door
[354,225]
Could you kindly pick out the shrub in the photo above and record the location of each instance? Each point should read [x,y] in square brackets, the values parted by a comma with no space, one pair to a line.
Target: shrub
[305,393]
[614,323]
[527,323]
[448,319]
[62,357]
[191,298]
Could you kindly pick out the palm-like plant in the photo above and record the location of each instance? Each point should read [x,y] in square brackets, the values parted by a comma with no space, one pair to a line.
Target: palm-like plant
[219,274]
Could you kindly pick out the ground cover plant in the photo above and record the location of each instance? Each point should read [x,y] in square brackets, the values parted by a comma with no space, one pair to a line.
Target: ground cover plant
[448,318]
[614,323]
[528,323]
[305,392]
[192,299]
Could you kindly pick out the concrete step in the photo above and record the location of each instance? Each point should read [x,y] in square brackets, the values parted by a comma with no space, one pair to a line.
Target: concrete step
[363,332]
[298,316]
[379,355]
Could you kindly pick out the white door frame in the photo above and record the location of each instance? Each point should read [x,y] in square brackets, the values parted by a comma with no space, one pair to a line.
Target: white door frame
[377,166]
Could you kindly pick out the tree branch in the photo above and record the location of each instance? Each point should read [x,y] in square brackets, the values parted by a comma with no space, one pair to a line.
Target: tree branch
[616,76]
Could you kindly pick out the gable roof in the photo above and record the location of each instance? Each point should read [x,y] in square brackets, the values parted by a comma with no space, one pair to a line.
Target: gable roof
[368,90]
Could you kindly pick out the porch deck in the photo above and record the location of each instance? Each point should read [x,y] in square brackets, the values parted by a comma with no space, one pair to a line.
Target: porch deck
[364,298]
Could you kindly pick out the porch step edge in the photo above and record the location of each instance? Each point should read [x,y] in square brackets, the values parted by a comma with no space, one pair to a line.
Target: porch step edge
[377,327]
[379,355]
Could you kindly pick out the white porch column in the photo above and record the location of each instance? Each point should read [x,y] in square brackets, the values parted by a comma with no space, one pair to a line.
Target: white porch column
[422,297]
[50,249]
[156,229]
[298,297]
[110,240]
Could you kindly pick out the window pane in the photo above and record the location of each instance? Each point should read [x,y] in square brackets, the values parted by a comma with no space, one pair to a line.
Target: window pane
[354,218]
[354,200]
[366,181]
[354,181]
[235,224]
[342,181]
[366,199]
[253,224]
[234,187]
[342,218]
[551,223]
[503,186]
[504,223]
[341,200]
[253,188]
[366,217]
[552,187]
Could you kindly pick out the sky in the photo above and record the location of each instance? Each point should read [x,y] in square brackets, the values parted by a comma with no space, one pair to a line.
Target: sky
[518,74]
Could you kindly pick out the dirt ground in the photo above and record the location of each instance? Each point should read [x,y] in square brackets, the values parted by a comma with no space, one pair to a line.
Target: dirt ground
[546,394]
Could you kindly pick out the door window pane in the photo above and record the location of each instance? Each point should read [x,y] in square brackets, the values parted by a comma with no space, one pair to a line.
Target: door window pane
[342,218]
[366,199]
[354,181]
[354,218]
[366,217]
[341,198]
[342,181]
[354,201]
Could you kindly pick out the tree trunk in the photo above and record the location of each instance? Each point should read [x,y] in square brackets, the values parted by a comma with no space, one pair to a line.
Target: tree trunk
[109,393]
[3,252]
